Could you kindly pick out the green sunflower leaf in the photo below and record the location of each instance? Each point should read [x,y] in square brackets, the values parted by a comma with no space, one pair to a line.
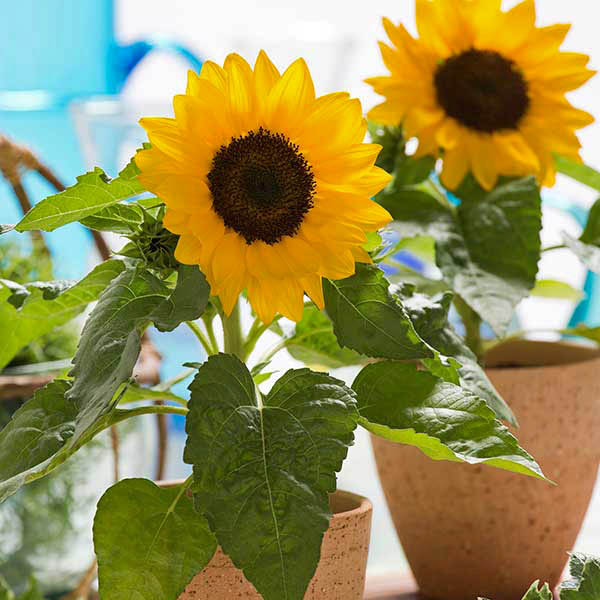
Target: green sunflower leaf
[406,169]
[369,320]
[585,579]
[68,414]
[149,540]
[130,393]
[591,232]
[266,495]
[590,333]
[549,288]
[32,442]
[43,307]
[429,315]
[402,404]
[92,193]
[578,171]
[119,218]
[187,302]
[487,249]
[588,254]
[535,592]
[111,341]
[315,344]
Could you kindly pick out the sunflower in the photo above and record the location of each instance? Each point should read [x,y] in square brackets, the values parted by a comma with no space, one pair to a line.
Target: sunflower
[485,86]
[267,185]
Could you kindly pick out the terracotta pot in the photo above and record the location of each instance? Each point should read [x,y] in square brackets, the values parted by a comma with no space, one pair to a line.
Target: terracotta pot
[339,576]
[471,531]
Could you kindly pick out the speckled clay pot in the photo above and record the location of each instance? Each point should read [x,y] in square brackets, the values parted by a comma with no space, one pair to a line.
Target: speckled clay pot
[341,571]
[472,531]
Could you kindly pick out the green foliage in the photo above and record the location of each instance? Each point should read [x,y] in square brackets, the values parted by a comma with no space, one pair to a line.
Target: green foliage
[111,341]
[407,170]
[548,288]
[588,254]
[131,393]
[430,318]
[21,266]
[34,440]
[535,592]
[368,319]
[446,422]
[151,243]
[315,344]
[266,494]
[38,316]
[578,171]
[187,302]
[591,232]
[149,541]
[32,592]
[118,218]
[487,248]
[585,579]
[92,193]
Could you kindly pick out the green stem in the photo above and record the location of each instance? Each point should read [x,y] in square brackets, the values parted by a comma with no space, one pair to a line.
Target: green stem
[201,337]
[256,331]
[232,332]
[472,323]
[169,383]
[557,247]
[208,323]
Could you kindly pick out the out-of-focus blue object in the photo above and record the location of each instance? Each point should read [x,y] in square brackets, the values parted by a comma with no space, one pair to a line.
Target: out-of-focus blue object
[588,309]
[55,51]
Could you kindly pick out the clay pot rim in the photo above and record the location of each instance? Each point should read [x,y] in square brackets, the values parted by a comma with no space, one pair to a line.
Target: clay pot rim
[521,355]
[361,504]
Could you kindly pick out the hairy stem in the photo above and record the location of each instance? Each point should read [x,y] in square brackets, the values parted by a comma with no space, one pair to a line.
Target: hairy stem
[195,328]
[472,323]
[232,332]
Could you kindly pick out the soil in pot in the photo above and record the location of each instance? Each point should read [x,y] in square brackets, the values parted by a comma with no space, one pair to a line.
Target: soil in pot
[472,531]
[339,576]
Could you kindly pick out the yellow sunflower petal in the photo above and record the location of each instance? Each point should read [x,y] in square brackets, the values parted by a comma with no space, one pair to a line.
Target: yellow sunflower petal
[266,75]
[188,250]
[313,286]
[215,74]
[290,99]
[477,39]
[237,131]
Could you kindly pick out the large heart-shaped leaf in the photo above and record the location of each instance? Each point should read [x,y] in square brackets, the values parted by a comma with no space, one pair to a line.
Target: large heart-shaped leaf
[150,542]
[446,422]
[40,312]
[369,320]
[92,193]
[429,315]
[487,248]
[263,467]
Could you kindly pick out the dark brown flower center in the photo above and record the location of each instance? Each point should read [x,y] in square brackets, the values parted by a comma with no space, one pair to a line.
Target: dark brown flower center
[261,186]
[482,90]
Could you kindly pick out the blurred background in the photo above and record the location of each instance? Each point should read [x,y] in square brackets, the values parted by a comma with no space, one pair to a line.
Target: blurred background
[75,77]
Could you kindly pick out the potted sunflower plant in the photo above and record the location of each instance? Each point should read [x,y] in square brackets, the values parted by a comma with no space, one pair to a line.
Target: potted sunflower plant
[483,92]
[260,201]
